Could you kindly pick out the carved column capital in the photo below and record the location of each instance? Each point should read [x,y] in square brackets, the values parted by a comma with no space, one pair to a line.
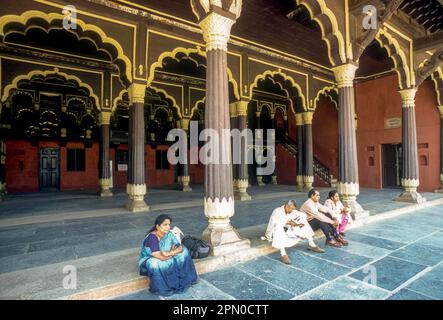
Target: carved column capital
[105,118]
[184,123]
[216,31]
[307,117]
[345,74]
[408,97]
[242,108]
[216,18]
[233,109]
[299,119]
[136,92]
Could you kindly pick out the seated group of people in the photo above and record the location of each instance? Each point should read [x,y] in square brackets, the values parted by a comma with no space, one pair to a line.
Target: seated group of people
[169,265]
[287,226]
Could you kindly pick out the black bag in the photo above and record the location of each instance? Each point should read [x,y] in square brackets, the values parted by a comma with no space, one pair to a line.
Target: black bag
[197,248]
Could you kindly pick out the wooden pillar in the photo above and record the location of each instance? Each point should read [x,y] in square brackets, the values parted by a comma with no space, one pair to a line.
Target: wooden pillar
[274,150]
[136,187]
[300,153]
[308,162]
[410,170]
[260,136]
[242,178]
[348,183]
[2,169]
[234,125]
[216,23]
[440,108]
[104,169]
[183,168]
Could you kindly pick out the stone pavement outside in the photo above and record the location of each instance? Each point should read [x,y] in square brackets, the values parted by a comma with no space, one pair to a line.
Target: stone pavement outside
[79,225]
[400,258]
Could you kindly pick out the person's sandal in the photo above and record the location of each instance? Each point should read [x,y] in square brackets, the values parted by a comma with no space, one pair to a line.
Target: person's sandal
[342,241]
[285,259]
[333,244]
[316,249]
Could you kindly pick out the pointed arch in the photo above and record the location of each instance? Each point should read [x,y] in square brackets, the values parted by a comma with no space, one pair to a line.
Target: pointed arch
[398,56]
[168,97]
[325,91]
[331,34]
[195,107]
[56,71]
[47,22]
[437,78]
[117,99]
[285,77]
[187,52]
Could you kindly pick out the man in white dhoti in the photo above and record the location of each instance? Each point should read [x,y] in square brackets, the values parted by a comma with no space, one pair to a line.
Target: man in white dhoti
[287,227]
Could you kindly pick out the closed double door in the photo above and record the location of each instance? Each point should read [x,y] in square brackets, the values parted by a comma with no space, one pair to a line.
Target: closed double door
[49,169]
[392,165]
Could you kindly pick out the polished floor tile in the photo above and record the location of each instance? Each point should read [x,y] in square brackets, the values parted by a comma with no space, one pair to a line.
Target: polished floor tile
[281,275]
[388,273]
[430,284]
[345,288]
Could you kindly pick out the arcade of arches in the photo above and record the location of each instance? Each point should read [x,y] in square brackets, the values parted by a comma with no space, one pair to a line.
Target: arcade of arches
[87,99]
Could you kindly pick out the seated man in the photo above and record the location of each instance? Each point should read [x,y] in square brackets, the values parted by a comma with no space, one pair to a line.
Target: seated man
[286,227]
[317,218]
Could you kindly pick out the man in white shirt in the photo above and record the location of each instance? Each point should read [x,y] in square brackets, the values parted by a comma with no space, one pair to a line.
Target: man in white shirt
[317,218]
[287,227]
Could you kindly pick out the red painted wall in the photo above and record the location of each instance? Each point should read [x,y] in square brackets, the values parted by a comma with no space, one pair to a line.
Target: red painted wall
[285,166]
[74,180]
[377,100]
[120,178]
[22,162]
[22,167]
[325,135]
[197,172]
[155,177]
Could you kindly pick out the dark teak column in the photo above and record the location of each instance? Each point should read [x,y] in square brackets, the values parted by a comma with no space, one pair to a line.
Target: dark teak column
[136,187]
[300,151]
[440,108]
[2,169]
[308,178]
[183,178]
[216,23]
[104,169]
[348,183]
[410,170]
[243,177]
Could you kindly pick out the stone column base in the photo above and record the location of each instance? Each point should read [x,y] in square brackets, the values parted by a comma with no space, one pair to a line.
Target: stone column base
[300,184]
[357,212]
[136,201]
[410,197]
[183,183]
[260,181]
[274,179]
[104,193]
[240,190]
[348,192]
[225,240]
[441,185]
[105,190]
[308,181]
[3,189]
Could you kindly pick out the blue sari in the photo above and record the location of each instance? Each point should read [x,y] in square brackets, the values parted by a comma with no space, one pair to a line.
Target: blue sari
[170,276]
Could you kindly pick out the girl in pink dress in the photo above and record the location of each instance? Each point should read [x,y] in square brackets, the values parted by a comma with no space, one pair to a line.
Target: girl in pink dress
[341,213]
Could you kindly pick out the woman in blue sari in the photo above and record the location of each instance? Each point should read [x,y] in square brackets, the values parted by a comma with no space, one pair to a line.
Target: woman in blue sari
[165,261]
